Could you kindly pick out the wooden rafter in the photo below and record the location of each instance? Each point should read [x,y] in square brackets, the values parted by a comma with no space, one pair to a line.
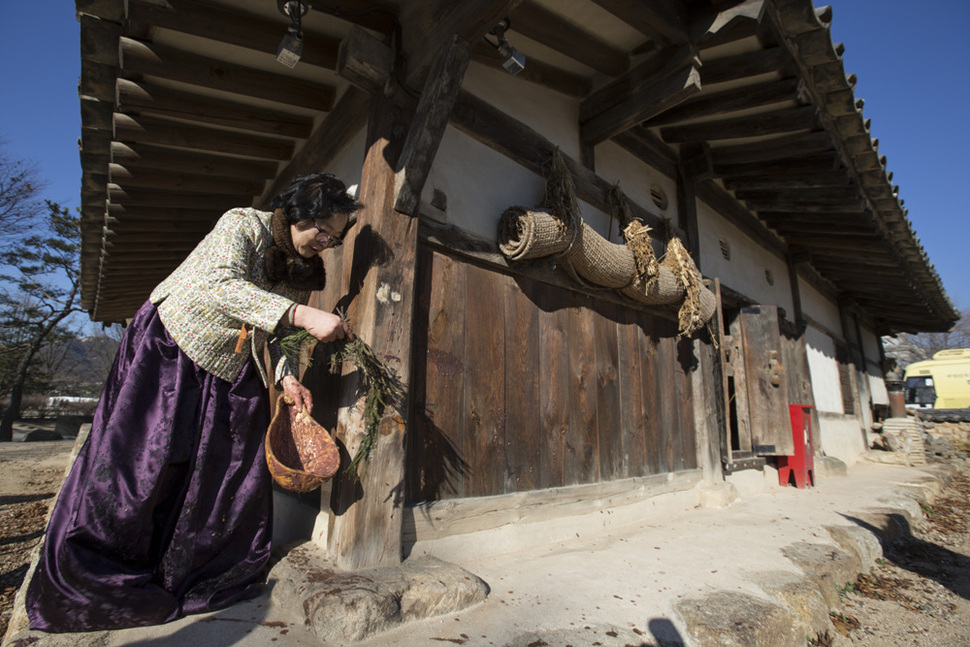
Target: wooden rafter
[544,26]
[430,23]
[227,26]
[786,120]
[152,130]
[139,58]
[662,20]
[137,98]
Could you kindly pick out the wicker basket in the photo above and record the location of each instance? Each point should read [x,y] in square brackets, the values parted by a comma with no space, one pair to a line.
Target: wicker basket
[300,453]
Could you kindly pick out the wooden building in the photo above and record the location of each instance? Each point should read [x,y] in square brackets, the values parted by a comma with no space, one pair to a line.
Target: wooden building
[730,125]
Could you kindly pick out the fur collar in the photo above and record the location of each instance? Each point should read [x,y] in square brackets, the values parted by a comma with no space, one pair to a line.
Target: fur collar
[285,265]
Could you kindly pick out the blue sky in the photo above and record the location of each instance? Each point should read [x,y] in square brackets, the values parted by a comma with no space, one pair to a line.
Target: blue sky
[911,60]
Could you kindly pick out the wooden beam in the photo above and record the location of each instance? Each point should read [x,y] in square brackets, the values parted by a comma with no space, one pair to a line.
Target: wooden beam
[110,10]
[717,103]
[732,21]
[141,240]
[428,24]
[855,206]
[364,60]
[152,130]
[775,122]
[99,40]
[840,195]
[778,148]
[430,121]
[550,29]
[846,221]
[97,81]
[169,181]
[837,241]
[128,198]
[742,66]
[650,149]
[827,162]
[668,91]
[537,72]
[376,15]
[789,181]
[135,214]
[687,213]
[167,159]
[660,20]
[140,58]
[231,26]
[654,66]
[147,98]
[156,227]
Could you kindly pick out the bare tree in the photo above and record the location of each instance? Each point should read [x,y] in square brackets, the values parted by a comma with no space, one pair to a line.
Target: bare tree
[906,348]
[20,202]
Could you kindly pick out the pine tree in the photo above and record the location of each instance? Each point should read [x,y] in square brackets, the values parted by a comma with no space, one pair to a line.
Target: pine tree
[40,291]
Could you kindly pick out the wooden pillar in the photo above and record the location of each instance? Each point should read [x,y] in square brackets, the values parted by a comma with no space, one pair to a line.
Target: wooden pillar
[694,164]
[365,525]
[402,140]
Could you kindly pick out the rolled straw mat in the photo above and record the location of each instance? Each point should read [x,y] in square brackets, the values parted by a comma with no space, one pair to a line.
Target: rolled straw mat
[661,289]
[525,233]
[597,260]
[300,453]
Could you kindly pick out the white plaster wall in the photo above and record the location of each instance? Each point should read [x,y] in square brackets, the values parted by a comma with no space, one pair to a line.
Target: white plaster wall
[819,307]
[825,371]
[480,184]
[840,436]
[551,114]
[348,165]
[877,385]
[744,272]
[871,344]
[617,165]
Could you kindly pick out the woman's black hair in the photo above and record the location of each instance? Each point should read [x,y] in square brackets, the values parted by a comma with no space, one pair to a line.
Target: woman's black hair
[316,195]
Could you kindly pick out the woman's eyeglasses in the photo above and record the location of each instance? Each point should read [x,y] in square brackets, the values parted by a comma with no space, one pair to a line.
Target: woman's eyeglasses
[325,237]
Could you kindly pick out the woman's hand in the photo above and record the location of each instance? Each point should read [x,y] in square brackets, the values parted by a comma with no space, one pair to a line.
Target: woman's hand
[322,325]
[297,392]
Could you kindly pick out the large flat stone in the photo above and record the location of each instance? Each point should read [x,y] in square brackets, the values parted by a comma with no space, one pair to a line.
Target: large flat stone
[829,567]
[739,620]
[345,607]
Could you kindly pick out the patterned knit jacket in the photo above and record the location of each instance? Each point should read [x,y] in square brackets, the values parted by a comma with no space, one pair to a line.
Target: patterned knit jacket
[221,286]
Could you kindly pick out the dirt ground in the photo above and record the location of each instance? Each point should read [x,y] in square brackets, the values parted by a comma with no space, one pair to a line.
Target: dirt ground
[30,475]
[917,594]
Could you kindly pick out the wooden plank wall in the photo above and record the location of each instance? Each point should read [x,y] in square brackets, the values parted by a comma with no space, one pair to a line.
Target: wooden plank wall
[519,385]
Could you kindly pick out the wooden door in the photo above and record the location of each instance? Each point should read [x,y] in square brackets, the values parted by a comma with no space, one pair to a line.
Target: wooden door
[762,390]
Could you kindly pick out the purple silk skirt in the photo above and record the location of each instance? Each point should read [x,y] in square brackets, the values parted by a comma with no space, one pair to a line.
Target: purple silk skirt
[166,510]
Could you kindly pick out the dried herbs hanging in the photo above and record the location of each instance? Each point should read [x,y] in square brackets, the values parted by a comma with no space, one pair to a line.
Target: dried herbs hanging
[380,383]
